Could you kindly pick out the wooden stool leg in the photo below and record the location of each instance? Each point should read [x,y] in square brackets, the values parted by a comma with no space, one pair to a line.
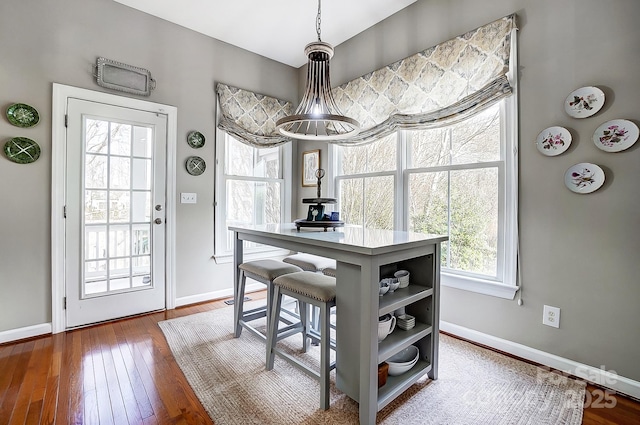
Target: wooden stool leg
[304,321]
[239,305]
[272,332]
[324,356]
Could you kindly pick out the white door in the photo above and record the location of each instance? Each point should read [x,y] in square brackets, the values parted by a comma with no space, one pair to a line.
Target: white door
[115,202]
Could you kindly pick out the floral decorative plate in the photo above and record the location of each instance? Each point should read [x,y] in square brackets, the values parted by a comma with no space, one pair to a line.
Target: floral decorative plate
[195,139]
[195,165]
[22,115]
[615,135]
[584,178]
[553,141]
[22,150]
[584,102]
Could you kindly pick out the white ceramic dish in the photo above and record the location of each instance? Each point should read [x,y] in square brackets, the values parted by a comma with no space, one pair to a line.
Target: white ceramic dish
[584,102]
[403,361]
[403,278]
[584,178]
[553,141]
[616,135]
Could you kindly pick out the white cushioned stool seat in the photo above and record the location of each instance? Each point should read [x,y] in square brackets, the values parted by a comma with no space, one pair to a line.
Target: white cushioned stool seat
[263,271]
[310,263]
[313,285]
[329,271]
[268,269]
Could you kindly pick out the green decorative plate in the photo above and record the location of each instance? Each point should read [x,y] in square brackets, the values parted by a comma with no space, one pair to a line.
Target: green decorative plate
[195,165]
[22,150]
[22,115]
[195,139]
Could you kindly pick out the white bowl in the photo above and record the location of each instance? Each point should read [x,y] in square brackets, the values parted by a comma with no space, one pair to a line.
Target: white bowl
[383,290]
[403,361]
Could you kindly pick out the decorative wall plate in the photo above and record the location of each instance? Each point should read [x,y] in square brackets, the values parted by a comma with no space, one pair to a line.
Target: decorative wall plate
[553,141]
[22,150]
[195,165]
[195,139]
[616,135]
[22,115]
[584,178]
[584,102]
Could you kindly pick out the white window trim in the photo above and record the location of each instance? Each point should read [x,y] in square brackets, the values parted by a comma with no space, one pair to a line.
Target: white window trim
[505,285]
[221,256]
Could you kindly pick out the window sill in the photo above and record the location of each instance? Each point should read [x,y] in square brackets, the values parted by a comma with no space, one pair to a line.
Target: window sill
[480,286]
[249,256]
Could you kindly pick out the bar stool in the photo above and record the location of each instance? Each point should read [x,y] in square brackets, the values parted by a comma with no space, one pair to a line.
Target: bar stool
[308,262]
[308,288]
[329,271]
[263,271]
[311,263]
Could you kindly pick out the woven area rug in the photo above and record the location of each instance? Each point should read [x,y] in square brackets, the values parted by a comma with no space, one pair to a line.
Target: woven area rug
[474,386]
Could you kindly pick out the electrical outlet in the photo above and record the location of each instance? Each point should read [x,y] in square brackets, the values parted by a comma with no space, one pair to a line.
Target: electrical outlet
[551,316]
[188,198]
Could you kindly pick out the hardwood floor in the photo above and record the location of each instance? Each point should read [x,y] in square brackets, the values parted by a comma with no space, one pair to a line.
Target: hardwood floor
[124,373]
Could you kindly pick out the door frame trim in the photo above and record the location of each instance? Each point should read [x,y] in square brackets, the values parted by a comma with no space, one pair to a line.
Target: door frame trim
[61,94]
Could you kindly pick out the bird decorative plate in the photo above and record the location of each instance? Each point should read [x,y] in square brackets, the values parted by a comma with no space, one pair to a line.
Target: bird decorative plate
[22,115]
[553,141]
[616,135]
[584,102]
[584,178]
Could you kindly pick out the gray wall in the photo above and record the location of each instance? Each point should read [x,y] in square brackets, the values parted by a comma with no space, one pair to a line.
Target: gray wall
[579,252]
[42,42]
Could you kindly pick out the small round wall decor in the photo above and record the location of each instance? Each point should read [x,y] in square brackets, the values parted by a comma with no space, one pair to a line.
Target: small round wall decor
[615,135]
[584,178]
[553,141]
[195,139]
[22,115]
[584,102]
[22,150]
[195,165]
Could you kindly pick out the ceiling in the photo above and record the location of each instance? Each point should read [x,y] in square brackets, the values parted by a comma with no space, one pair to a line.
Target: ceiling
[277,29]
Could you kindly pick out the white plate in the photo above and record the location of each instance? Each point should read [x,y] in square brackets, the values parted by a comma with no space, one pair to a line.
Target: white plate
[615,135]
[553,141]
[584,178]
[584,102]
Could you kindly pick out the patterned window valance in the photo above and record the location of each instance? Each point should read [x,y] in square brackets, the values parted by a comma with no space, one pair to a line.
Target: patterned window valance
[438,86]
[251,117]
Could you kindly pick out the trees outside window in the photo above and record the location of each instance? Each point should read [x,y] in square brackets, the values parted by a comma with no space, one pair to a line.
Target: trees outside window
[452,181]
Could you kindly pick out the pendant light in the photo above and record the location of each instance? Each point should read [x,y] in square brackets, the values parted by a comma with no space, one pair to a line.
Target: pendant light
[318,116]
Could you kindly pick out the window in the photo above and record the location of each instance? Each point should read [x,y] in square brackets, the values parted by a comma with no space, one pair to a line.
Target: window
[458,181]
[251,189]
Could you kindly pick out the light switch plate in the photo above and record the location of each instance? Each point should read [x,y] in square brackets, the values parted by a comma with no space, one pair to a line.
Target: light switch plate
[188,198]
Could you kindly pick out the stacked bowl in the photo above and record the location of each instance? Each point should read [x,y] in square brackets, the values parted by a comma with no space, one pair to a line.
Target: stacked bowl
[405,321]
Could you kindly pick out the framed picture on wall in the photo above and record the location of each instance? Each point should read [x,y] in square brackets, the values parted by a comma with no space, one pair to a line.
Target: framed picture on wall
[310,163]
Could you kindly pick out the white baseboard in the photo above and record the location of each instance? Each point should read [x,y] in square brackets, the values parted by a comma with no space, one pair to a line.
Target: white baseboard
[26,332]
[598,376]
[216,295]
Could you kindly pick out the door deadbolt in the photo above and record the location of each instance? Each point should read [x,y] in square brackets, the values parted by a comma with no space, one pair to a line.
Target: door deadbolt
[158,207]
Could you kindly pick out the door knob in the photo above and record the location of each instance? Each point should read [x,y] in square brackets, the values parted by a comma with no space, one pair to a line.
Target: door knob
[158,221]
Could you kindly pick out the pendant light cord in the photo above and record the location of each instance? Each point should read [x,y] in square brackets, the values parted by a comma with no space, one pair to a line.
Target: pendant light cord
[318,22]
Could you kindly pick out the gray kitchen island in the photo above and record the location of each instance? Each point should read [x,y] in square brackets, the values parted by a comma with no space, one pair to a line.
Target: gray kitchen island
[364,257]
